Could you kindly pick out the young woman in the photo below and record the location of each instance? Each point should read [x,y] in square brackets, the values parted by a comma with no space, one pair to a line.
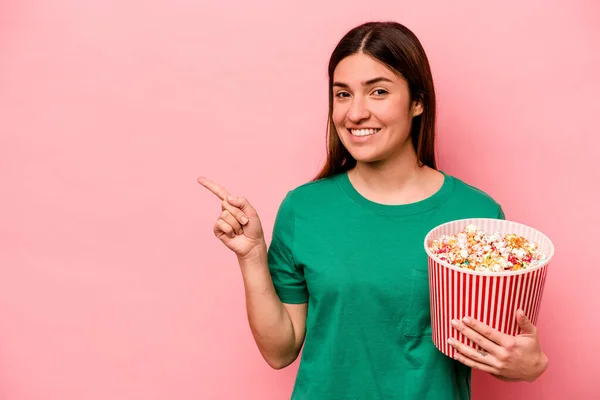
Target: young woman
[345,275]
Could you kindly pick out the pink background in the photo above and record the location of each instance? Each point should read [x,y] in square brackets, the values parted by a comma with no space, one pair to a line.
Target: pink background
[112,285]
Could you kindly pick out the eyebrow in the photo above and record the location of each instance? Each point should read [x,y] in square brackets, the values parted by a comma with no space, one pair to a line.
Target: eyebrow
[365,83]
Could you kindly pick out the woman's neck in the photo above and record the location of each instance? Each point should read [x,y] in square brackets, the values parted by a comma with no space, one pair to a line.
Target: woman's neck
[399,181]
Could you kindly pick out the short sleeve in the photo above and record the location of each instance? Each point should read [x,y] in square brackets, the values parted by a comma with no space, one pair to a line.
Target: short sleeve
[501,213]
[288,278]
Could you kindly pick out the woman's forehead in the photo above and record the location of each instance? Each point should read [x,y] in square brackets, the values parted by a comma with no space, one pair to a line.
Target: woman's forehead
[360,68]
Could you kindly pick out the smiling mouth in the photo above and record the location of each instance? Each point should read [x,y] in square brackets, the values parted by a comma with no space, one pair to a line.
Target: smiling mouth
[364,132]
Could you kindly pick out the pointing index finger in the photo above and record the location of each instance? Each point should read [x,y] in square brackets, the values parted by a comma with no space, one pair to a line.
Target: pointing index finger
[213,187]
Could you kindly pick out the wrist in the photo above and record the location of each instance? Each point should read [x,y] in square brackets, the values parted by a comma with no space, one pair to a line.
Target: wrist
[258,254]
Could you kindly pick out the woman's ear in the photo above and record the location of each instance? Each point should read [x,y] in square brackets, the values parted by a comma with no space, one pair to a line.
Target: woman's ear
[417,108]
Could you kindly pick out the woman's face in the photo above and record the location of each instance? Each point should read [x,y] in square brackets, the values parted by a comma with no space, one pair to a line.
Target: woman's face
[372,111]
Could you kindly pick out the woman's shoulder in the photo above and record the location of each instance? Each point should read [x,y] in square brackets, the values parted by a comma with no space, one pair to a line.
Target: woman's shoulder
[310,195]
[320,187]
[470,193]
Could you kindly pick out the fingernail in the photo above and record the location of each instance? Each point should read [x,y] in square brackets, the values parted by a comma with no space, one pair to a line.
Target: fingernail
[467,320]
[231,198]
[451,342]
[244,220]
[454,323]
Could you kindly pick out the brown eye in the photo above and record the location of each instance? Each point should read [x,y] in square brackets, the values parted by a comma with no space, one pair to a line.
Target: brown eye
[380,92]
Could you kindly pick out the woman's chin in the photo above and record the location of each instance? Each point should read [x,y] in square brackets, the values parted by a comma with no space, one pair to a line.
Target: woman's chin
[366,158]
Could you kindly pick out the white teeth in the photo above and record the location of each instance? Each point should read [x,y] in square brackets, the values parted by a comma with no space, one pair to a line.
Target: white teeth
[363,132]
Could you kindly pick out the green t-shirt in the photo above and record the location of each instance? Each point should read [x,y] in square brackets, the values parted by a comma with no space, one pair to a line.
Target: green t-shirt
[362,268]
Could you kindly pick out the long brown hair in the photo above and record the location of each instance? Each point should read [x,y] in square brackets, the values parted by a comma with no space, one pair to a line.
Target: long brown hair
[397,47]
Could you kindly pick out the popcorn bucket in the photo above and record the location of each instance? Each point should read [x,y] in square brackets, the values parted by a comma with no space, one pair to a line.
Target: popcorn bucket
[490,297]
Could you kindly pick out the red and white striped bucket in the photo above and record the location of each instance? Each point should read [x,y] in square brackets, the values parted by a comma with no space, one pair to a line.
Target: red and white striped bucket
[490,297]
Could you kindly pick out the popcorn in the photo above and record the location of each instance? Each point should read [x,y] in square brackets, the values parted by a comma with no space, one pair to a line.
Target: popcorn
[480,251]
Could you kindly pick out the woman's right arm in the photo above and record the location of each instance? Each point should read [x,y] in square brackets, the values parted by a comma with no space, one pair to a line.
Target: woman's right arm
[278,328]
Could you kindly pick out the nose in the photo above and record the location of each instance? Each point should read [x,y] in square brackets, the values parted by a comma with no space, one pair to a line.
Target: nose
[358,110]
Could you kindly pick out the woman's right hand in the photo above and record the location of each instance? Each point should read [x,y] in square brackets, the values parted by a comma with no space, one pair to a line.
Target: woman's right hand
[238,226]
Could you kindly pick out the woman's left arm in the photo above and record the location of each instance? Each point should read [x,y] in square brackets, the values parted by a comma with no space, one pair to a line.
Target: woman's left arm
[510,358]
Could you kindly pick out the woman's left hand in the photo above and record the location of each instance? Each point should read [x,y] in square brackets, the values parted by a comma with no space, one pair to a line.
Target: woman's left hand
[512,358]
